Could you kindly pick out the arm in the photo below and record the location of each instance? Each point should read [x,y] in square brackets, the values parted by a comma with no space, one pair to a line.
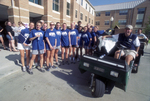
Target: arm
[90,42]
[69,39]
[106,36]
[49,43]
[94,40]
[55,42]
[31,39]
[1,30]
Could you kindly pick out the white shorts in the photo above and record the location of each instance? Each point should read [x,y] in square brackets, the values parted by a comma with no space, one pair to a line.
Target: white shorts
[129,52]
[20,46]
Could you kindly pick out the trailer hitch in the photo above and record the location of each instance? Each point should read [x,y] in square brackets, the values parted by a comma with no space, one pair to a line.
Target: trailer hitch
[92,79]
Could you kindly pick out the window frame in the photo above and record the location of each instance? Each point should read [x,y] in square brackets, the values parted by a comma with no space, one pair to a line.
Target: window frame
[107,14]
[56,3]
[81,16]
[107,21]
[68,9]
[34,1]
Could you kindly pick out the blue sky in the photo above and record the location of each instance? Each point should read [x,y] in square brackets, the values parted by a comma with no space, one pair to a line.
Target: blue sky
[105,2]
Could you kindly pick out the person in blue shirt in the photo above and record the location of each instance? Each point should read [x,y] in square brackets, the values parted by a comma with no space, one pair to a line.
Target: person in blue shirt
[36,37]
[51,42]
[86,40]
[74,42]
[44,29]
[133,44]
[79,46]
[65,42]
[97,32]
[58,46]
[93,43]
[25,46]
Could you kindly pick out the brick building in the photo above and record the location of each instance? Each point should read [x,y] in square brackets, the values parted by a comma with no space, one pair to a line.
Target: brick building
[135,13]
[49,10]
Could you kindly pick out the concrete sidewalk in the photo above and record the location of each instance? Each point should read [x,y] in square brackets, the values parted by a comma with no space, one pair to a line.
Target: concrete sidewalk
[8,62]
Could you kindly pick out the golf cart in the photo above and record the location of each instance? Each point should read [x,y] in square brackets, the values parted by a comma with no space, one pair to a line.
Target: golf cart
[106,71]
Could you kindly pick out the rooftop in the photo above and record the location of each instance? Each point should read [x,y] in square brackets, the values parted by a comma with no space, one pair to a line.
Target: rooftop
[118,6]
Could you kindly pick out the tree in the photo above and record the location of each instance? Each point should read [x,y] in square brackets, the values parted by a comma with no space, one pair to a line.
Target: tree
[147,28]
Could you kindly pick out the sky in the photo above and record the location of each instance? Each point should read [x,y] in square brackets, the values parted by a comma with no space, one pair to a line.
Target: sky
[105,2]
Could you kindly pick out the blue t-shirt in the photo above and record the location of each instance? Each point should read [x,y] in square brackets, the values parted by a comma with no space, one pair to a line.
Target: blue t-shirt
[51,35]
[26,33]
[58,32]
[93,35]
[79,38]
[99,33]
[64,37]
[37,44]
[73,36]
[86,38]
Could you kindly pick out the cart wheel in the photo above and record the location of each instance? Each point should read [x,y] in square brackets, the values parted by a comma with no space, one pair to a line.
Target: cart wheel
[135,69]
[98,88]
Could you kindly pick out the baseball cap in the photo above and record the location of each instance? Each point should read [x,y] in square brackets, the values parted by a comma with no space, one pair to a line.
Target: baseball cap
[129,26]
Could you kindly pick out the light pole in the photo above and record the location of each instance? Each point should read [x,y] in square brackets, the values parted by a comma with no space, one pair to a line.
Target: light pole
[111,19]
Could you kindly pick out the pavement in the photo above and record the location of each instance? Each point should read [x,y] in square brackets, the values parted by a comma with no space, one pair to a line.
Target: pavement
[65,83]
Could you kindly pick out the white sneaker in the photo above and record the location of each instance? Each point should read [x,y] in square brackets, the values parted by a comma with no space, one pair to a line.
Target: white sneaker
[24,69]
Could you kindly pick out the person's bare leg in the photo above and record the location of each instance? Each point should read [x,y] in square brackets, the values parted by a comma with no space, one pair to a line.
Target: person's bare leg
[77,52]
[13,45]
[47,59]
[128,59]
[52,57]
[1,38]
[56,55]
[10,45]
[41,60]
[80,52]
[22,57]
[32,60]
[70,50]
[74,49]
[66,53]
[62,53]
[117,53]
[27,57]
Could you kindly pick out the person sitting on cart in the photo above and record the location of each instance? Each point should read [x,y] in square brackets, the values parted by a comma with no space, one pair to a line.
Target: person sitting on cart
[133,46]
[141,35]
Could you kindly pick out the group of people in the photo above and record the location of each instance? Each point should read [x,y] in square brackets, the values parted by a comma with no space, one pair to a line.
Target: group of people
[46,42]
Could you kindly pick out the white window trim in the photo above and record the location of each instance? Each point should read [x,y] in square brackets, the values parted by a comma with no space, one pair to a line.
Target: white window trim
[36,5]
[68,16]
[56,12]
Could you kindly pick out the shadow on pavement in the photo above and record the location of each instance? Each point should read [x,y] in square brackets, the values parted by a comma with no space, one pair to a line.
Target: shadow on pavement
[79,82]
[15,58]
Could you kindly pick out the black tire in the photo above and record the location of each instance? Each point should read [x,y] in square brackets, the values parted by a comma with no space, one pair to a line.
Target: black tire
[98,88]
[135,69]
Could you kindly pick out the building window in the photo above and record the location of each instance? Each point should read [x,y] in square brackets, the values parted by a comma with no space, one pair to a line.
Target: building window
[98,14]
[89,20]
[97,22]
[56,5]
[139,22]
[86,5]
[122,22]
[141,10]
[39,2]
[68,8]
[82,2]
[81,16]
[89,9]
[86,18]
[106,22]
[123,12]
[76,14]
[107,13]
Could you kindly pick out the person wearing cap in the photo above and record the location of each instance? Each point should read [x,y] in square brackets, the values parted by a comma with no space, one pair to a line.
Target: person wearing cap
[79,24]
[124,38]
